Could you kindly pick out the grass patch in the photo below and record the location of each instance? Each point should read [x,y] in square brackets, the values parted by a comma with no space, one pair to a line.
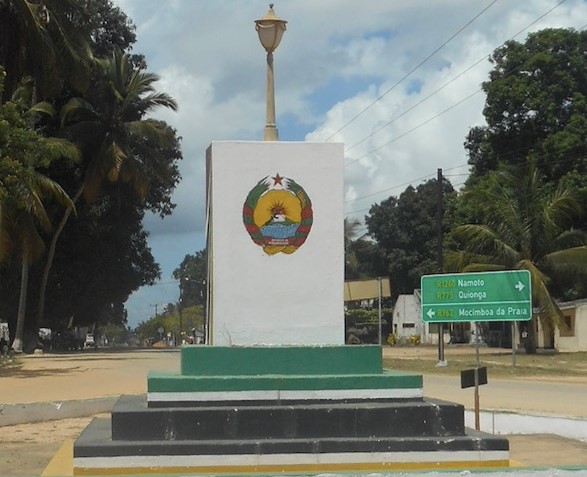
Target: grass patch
[9,365]
[568,365]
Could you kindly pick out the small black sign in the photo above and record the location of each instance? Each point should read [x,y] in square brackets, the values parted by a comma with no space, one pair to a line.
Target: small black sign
[468,377]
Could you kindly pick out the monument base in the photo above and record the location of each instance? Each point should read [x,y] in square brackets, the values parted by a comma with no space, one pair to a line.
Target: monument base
[280,409]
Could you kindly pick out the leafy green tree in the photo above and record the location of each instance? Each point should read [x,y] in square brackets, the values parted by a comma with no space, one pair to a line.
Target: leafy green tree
[150,328]
[536,106]
[116,334]
[365,259]
[193,317]
[23,217]
[38,39]
[118,144]
[527,227]
[192,276]
[102,258]
[107,26]
[351,230]
[405,229]
[110,223]
[351,263]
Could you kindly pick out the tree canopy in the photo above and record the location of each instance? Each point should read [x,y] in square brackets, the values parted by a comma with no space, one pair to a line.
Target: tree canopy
[528,228]
[524,203]
[192,276]
[536,106]
[405,228]
[126,163]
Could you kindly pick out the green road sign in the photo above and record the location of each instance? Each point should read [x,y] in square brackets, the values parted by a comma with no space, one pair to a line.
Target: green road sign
[484,296]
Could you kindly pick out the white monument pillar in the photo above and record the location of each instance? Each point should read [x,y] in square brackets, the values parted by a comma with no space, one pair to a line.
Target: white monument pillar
[275,243]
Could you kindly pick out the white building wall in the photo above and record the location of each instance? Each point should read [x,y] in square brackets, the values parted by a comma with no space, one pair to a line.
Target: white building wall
[577,342]
[407,320]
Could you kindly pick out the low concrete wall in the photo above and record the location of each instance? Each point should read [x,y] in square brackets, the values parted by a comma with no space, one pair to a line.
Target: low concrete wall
[11,414]
[495,422]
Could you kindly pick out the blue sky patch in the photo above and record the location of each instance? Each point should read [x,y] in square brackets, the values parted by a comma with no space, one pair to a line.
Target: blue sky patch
[337,90]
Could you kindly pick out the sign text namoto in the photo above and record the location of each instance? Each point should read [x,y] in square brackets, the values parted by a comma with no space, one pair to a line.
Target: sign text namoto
[483,296]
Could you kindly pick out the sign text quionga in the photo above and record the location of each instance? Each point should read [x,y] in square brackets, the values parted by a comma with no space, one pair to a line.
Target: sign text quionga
[483,296]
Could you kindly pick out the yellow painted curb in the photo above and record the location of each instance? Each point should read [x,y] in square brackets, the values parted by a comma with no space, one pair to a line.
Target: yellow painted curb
[61,465]
[301,468]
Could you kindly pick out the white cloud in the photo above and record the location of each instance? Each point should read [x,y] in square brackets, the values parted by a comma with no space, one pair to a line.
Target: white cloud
[336,58]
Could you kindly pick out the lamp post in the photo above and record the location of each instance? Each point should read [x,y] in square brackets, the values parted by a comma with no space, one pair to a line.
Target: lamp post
[183,280]
[270,29]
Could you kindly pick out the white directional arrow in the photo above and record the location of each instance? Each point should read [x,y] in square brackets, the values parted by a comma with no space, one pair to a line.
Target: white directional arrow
[519,286]
[430,313]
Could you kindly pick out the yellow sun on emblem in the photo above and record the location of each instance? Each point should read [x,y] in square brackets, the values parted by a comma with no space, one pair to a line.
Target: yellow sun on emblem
[277,215]
[277,202]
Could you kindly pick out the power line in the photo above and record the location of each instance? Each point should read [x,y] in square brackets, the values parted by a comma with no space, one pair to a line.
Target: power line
[169,282]
[423,123]
[389,188]
[456,185]
[411,108]
[560,161]
[407,75]
[439,114]
[348,214]
[438,90]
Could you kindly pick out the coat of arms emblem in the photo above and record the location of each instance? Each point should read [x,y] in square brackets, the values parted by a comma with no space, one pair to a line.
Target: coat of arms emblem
[277,214]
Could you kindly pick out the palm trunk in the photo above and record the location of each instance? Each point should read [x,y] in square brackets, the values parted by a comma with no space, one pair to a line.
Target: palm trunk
[24,281]
[51,256]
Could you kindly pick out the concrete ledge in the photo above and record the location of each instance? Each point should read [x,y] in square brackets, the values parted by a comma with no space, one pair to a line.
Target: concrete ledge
[95,448]
[504,422]
[133,420]
[169,382]
[274,397]
[12,414]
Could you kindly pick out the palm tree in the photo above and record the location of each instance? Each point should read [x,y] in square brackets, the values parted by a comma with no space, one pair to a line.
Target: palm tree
[351,229]
[38,39]
[118,145]
[22,217]
[351,262]
[24,190]
[527,226]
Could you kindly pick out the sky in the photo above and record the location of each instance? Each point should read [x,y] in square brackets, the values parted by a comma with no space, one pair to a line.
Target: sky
[398,82]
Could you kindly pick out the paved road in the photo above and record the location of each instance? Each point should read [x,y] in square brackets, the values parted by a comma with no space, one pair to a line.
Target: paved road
[560,398]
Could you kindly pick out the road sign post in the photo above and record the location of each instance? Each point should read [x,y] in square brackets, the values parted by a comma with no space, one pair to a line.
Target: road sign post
[483,296]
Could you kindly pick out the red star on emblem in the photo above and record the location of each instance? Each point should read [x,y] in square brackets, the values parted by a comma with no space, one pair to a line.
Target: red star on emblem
[277,180]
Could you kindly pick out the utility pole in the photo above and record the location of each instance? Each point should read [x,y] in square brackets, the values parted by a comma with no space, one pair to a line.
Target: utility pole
[156,306]
[439,260]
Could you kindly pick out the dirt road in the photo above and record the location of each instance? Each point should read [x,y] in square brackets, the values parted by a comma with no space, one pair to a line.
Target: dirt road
[63,377]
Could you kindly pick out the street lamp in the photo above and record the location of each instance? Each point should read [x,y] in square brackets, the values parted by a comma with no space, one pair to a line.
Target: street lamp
[270,29]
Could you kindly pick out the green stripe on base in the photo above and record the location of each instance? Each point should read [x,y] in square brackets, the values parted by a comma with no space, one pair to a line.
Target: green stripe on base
[168,382]
[280,360]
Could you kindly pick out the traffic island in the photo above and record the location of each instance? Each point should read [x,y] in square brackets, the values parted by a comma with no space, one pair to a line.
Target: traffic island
[242,410]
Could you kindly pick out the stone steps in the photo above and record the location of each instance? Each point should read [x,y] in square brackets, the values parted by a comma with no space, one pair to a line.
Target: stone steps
[96,440]
[133,420]
[282,409]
